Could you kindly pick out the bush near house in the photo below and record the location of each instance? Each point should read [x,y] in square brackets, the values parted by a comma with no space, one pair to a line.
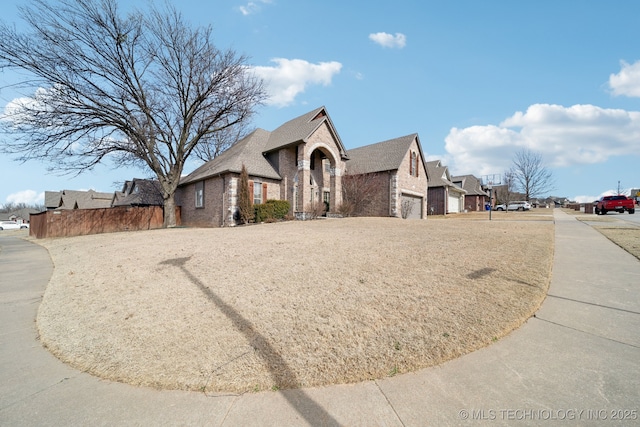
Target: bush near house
[271,210]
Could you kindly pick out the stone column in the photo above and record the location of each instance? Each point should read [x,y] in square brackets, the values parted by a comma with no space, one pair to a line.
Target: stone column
[232,202]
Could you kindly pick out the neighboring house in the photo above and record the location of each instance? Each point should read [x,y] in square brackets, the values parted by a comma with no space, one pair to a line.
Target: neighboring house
[556,202]
[397,170]
[302,161]
[444,196]
[138,192]
[502,195]
[71,199]
[476,197]
[19,215]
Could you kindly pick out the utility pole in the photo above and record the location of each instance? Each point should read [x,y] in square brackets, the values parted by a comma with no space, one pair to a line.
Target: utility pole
[618,187]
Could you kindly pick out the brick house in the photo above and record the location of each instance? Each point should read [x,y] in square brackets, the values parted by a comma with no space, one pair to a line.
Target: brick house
[475,197]
[399,173]
[303,161]
[443,196]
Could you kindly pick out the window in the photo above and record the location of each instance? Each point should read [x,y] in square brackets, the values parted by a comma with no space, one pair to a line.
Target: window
[259,192]
[200,194]
[413,168]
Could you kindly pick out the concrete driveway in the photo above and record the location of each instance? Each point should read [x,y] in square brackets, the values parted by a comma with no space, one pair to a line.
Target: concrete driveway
[577,362]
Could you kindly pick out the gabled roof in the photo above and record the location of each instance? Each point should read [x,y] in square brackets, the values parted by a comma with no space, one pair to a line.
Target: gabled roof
[300,129]
[252,149]
[439,176]
[22,213]
[382,156]
[72,199]
[470,184]
[247,151]
[52,199]
[139,192]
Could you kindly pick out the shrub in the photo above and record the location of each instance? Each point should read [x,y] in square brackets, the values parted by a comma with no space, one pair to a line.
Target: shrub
[347,208]
[280,208]
[315,211]
[271,210]
[245,213]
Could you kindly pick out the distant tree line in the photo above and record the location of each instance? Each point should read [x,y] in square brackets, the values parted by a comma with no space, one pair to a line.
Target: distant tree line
[12,207]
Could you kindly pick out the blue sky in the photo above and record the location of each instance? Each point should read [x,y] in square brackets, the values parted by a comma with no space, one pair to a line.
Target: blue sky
[477,80]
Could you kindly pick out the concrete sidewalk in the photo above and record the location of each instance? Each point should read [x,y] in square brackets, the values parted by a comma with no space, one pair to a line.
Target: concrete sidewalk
[576,363]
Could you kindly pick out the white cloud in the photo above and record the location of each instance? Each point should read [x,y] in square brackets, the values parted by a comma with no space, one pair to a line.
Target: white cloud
[252,7]
[292,76]
[589,199]
[398,40]
[28,197]
[584,199]
[581,134]
[627,81]
[18,109]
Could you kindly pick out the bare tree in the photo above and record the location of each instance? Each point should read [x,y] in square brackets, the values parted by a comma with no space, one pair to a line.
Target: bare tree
[530,175]
[505,192]
[145,89]
[221,141]
[406,207]
[12,207]
[358,192]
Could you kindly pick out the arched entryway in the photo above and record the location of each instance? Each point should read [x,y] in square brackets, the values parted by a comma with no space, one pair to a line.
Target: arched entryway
[317,186]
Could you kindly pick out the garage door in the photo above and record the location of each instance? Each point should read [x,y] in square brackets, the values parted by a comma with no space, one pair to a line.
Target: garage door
[411,207]
[454,204]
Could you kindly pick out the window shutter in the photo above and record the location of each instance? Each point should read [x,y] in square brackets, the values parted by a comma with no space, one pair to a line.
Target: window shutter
[417,165]
[264,192]
[251,191]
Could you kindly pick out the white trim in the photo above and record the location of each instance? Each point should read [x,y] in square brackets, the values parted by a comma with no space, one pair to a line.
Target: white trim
[411,193]
[324,145]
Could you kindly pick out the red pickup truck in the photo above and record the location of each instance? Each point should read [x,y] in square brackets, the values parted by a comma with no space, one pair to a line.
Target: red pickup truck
[615,203]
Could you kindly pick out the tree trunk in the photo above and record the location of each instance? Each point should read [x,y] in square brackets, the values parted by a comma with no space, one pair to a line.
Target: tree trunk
[169,211]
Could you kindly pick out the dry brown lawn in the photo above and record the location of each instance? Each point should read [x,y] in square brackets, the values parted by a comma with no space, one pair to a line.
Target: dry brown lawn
[628,238]
[624,234]
[291,304]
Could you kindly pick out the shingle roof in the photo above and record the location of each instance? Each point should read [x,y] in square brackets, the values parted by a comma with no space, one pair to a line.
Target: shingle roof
[72,199]
[379,157]
[139,192]
[470,184]
[22,213]
[439,176]
[299,129]
[52,199]
[251,149]
[247,151]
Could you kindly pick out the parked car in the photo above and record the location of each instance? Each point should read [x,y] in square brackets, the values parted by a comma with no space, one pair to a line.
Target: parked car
[514,206]
[617,203]
[12,225]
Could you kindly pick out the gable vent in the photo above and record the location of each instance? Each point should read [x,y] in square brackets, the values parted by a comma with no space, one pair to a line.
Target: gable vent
[320,115]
